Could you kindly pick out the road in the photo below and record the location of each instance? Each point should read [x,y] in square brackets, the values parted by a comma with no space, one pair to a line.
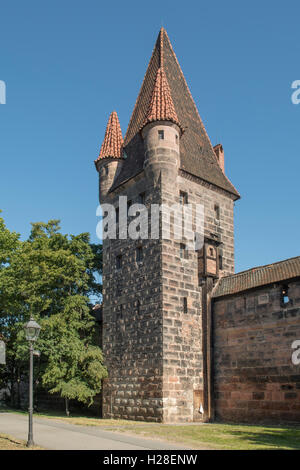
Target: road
[58,435]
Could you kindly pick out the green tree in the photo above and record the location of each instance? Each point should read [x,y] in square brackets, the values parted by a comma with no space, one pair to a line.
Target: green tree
[9,314]
[52,277]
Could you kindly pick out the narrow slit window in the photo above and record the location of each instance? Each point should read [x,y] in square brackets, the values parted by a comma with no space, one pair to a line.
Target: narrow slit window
[161,135]
[142,198]
[220,262]
[139,254]
[217,211]
[182,250]
[128,206]
[119,262]
[185,309]
[183,198]
[119,291]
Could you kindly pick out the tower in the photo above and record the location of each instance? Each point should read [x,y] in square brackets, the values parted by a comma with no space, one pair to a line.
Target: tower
[110,159]
[156,338]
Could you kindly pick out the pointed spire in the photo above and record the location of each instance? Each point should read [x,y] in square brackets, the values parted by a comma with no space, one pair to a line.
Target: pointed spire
[161,106]
[197,156]
[112,145]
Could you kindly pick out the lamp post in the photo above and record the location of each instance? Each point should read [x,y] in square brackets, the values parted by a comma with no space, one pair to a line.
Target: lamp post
[32,330]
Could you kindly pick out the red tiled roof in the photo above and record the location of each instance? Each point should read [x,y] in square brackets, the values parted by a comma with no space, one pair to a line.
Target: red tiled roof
[259,276]
[161,106]
[112,145]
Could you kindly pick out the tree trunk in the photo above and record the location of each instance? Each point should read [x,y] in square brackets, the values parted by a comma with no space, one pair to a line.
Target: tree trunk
[67,406]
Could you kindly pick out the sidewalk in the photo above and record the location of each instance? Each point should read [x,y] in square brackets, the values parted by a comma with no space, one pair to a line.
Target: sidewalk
[56,435]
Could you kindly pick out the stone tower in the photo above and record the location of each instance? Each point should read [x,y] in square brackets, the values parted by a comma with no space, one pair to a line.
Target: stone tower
[156,335]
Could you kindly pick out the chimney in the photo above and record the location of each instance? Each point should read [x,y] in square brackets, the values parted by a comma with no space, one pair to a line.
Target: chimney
[220,156]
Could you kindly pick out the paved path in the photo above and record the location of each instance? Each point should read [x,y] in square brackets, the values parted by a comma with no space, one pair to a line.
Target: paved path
[58,435]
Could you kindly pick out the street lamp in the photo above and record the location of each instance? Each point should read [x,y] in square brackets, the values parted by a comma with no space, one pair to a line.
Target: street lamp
[32,331]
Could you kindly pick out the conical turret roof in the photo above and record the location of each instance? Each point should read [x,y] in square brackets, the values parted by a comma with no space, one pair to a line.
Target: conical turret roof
[112,145]
[161,106]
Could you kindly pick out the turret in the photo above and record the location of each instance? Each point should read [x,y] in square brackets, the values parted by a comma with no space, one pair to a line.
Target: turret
[161,132]
[110,159]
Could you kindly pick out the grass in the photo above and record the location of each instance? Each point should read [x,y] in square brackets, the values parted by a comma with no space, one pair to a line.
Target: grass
[209,436]
[11,443]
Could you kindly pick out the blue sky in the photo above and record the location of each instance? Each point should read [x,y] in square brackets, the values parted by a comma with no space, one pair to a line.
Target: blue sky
[68,64]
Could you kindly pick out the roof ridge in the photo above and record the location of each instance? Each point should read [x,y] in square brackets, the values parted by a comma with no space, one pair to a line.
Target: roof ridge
[112,145]
[140,91]
[255,268]
[196,108]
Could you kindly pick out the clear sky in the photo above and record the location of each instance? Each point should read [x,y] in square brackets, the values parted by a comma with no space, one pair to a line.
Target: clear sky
[68,64]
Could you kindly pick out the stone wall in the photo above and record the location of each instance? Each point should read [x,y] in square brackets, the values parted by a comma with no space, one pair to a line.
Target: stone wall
[132,321]
[255,379]
[153,348]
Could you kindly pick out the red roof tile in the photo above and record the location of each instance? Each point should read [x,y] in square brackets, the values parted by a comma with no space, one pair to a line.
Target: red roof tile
[161,106]
[112,145]
[259,276]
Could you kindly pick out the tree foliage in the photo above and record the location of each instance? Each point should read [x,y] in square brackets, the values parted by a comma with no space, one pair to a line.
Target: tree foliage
[51,277]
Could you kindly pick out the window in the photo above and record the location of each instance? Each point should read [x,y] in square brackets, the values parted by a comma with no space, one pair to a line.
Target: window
[139,254]
[141,198]
[217,212]
[121,312]
[176,139]
[183,251]
[161,135]
[117,215]
[285,295]
[183,198]
[185,309]
[106,170]
[138,305]
[119,262]
[211,252]
[220,262]
[119,291]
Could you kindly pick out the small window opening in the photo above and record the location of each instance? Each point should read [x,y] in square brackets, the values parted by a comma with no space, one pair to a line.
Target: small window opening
[220,262]
[142,198]
[183,198]
[119,291]
[139,254]
[183,251]
[185,305]
[117,215]
[138,305]
[119,262]
[217,212]
[121,312]
[128,206]
[161,135]
[285,295]
[211,252]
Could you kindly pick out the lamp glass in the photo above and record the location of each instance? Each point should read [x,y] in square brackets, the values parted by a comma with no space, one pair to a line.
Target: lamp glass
[32,329]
